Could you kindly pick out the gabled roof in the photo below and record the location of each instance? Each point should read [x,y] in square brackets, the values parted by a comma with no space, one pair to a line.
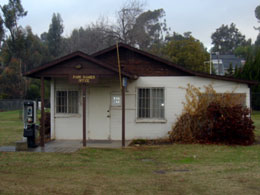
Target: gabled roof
[75,54]
[149,55]
[171,64]
[93,59]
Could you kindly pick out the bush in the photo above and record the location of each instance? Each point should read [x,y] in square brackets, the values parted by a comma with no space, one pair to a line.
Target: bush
[229,125]
[47,123]
[209,117]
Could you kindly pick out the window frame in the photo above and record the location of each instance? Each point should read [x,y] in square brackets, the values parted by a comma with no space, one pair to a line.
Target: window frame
[68,91]
[150,119]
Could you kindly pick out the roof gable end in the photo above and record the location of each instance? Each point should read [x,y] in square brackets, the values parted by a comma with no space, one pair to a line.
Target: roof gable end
[59,65]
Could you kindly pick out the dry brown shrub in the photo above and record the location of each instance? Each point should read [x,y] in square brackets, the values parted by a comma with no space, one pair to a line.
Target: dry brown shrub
[192,124]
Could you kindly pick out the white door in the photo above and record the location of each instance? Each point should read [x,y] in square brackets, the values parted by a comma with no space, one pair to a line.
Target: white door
[98,114]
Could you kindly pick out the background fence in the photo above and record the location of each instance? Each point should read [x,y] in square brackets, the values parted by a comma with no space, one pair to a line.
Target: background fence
[17,104]
[14,104]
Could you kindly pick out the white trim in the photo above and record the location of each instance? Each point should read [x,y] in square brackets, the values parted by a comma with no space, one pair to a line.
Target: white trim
[152,120]
[69,115]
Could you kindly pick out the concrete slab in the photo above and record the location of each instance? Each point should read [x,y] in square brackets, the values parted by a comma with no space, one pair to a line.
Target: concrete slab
[60,146]
[7,149]
[68,146]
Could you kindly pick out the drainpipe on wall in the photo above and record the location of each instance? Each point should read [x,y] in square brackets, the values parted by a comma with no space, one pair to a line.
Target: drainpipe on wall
[219,68]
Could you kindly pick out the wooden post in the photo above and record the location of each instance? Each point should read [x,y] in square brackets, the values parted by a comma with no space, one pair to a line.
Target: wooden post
[42,131]
[123,116]
[84,114]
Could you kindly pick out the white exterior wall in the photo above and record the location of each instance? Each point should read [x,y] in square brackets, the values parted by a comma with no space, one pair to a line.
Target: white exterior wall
[174,96]
[65,126]
[102,117]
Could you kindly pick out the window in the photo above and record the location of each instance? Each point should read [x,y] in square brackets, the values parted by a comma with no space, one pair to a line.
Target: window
[151,103]
[116,100]
[67,101]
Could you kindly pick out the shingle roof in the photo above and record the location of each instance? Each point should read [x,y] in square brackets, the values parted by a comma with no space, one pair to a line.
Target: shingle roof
[169,63]
[93,59]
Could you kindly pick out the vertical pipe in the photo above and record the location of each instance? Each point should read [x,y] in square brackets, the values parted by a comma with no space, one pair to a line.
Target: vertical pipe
[123,116]
[219,69]
[84,115]
[210,70]
[250,99]
[42,132]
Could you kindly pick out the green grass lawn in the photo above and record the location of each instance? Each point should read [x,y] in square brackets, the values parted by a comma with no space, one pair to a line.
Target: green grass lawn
[175,169]
[172,169]
[256,119]
[11,127]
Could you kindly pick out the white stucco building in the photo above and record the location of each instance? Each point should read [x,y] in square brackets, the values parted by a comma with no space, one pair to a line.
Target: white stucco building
[153,96]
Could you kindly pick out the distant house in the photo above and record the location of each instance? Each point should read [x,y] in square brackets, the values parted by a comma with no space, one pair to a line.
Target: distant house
[221,63]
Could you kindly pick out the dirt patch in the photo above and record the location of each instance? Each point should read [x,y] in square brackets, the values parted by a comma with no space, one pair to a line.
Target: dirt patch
[181,170]
[140,142]
[171,171]
[147,160]
[160,172]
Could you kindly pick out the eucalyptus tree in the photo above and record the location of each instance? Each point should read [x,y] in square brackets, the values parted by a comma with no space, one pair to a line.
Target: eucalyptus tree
[227,38]
[11,13]
[257,15]
[54,35]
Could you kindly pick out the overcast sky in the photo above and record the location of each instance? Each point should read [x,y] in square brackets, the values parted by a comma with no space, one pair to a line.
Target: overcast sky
[201,17]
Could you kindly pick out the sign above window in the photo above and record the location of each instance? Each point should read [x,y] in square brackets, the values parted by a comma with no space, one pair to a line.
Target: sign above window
[84,79]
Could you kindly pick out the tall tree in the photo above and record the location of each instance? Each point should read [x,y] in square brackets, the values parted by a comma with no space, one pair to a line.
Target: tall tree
[54,36]
[32,54]
[251,69]
[227,38]
[94,37]
[135,27]
[126,19]
[2,31]
[12,12]
[243,51]
[257,15]
[140,28]
[148,29]
[187,52]
[11,83]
